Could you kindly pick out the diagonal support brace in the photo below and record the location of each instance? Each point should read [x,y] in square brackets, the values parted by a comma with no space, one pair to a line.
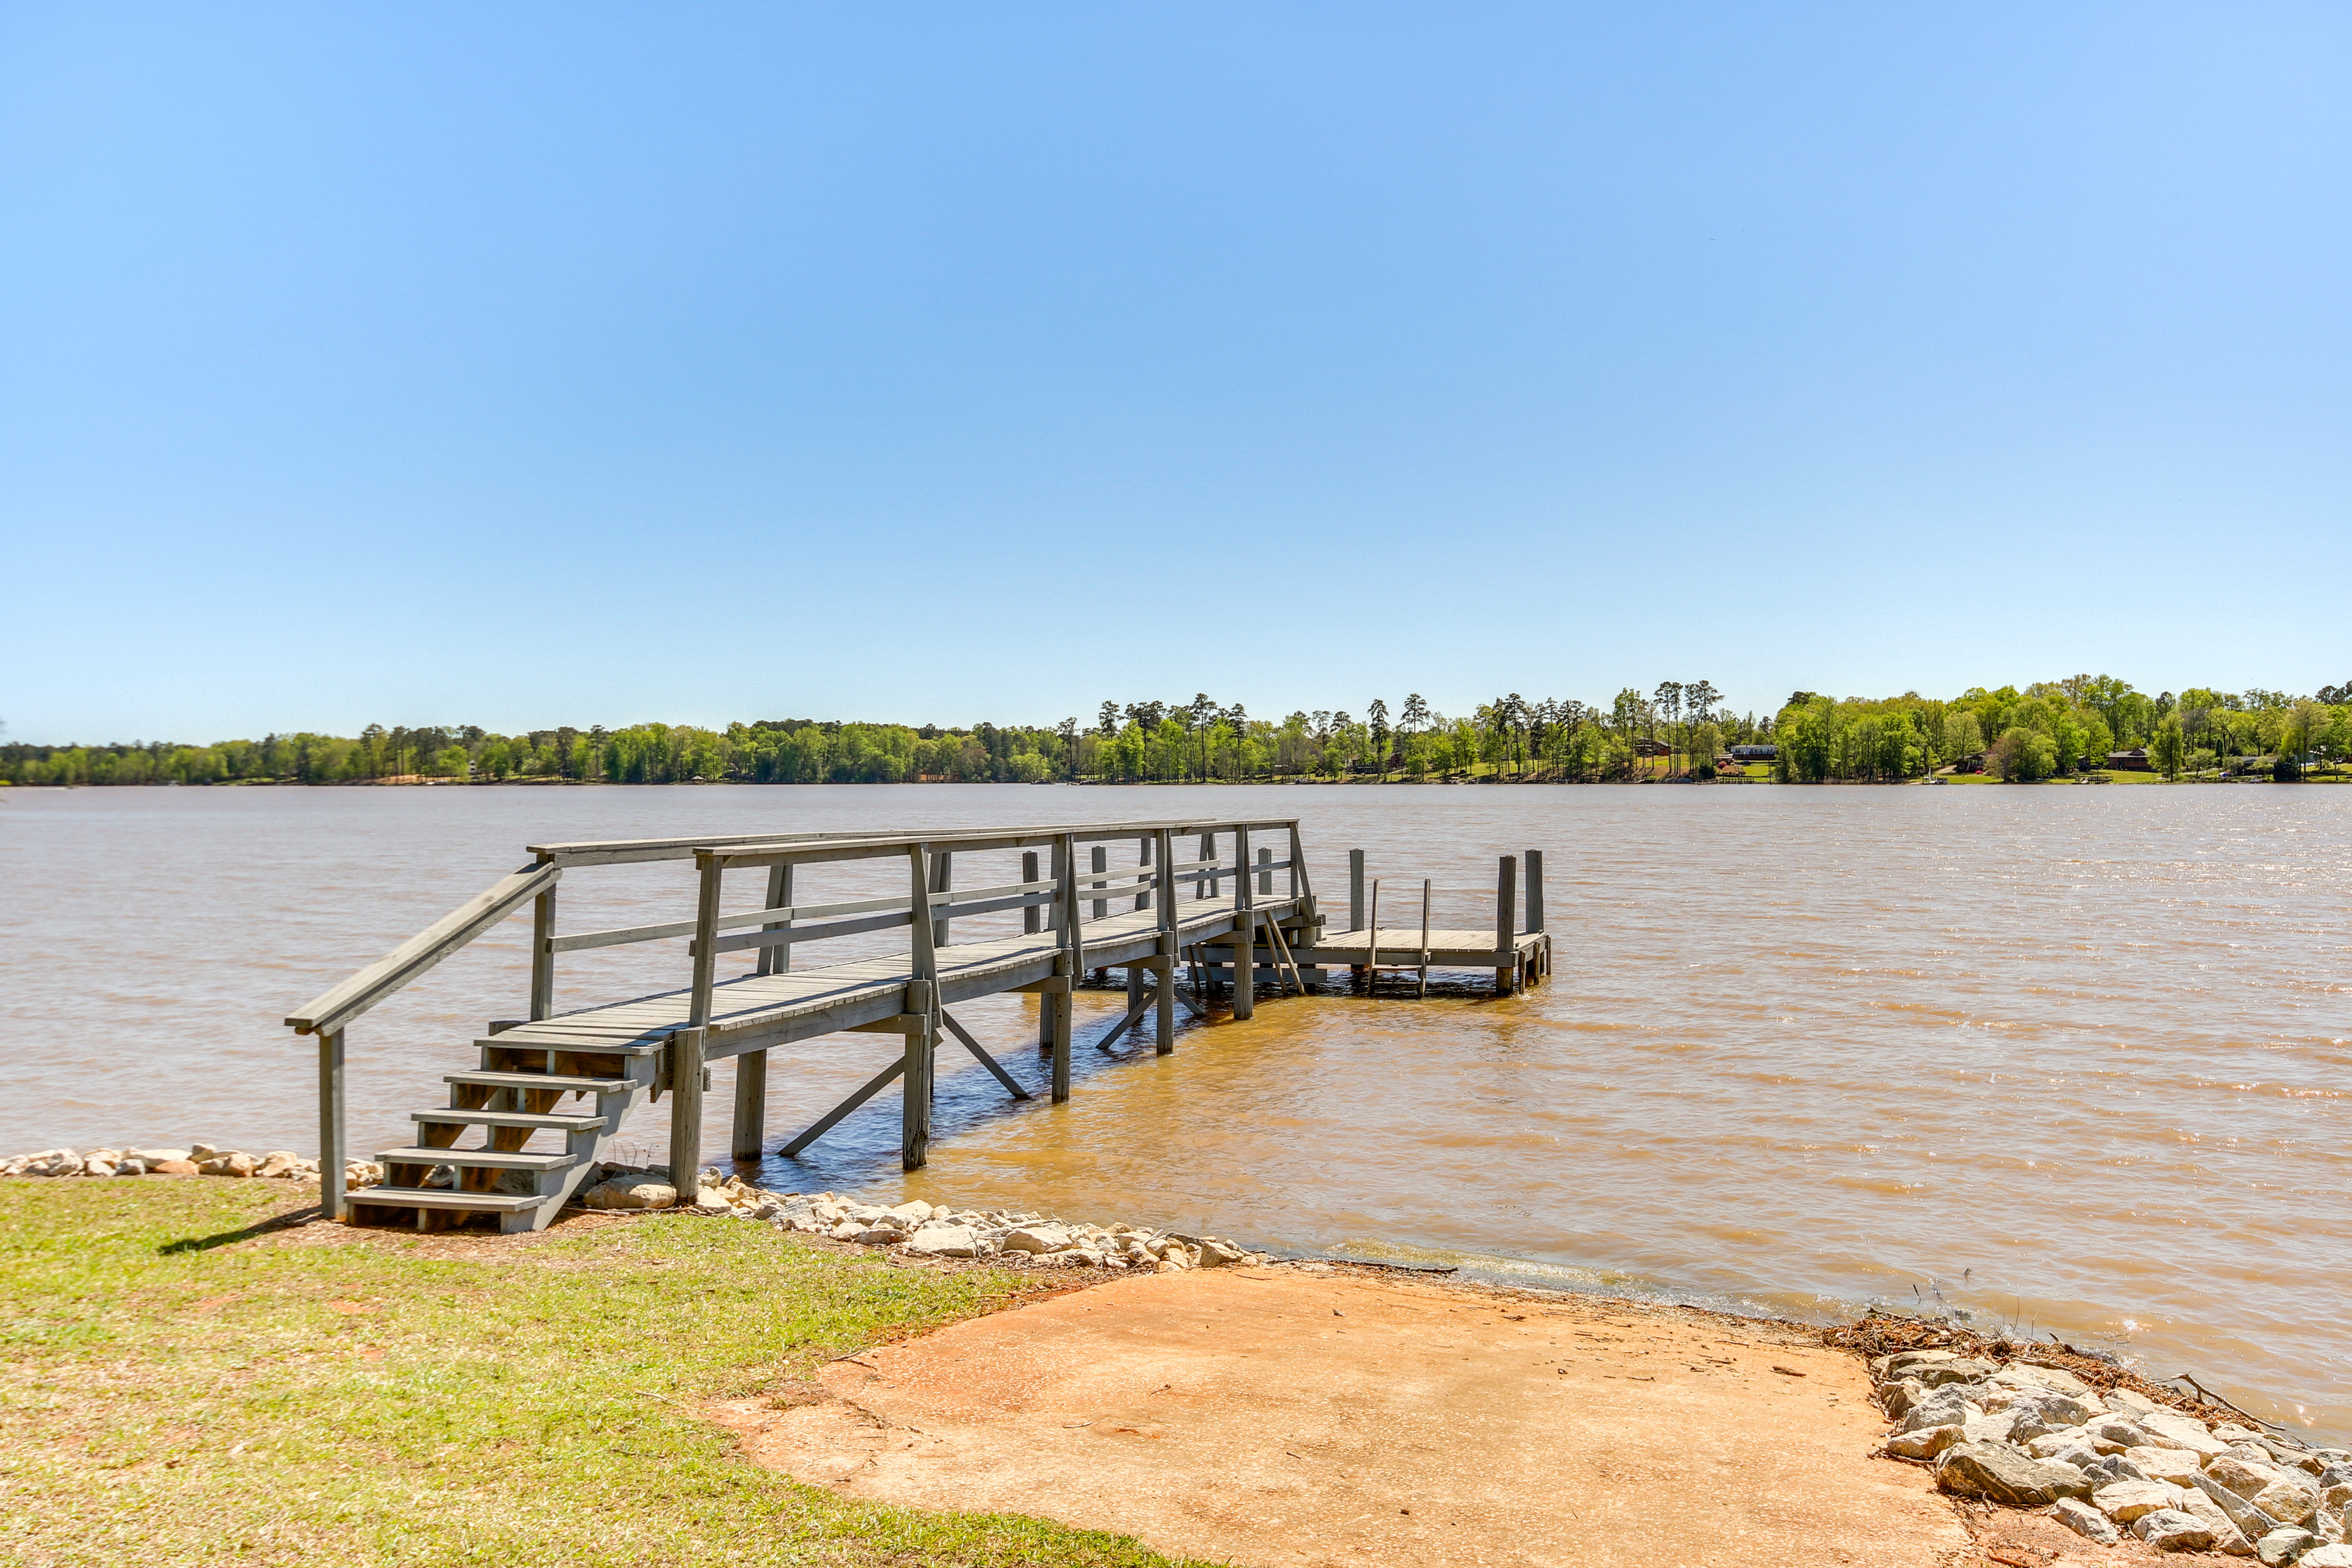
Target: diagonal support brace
[1006,1079]
[825,1123]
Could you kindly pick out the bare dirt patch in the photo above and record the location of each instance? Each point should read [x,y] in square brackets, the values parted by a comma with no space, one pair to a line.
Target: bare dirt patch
[1280,1416]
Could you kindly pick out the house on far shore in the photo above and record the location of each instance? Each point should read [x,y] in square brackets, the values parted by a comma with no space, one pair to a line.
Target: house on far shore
[1651,749]
[1971,763]
[1754,754]
[2133,761]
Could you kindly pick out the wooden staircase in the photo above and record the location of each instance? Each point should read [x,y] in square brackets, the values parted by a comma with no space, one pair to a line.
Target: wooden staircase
[513,1098]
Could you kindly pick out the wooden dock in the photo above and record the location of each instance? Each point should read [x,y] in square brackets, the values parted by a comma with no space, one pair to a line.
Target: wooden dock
[1151,918]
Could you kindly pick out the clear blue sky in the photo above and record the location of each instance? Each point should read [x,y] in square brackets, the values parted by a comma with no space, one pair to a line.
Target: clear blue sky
[527,364]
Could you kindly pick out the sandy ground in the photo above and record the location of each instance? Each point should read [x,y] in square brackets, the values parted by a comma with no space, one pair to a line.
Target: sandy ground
[1277,1416]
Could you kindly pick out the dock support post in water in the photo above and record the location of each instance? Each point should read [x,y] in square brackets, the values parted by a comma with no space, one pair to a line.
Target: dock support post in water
[1356,902]
[1506,878]
[331,1141]
[1540,964]
[1245,931]
[1165,1025]
[750,1105]
[1067,921]
[922,1051]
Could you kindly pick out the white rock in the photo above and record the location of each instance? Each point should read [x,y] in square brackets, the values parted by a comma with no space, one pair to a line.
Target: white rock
[157,1156]
[1992,1428]
[2084,1521]
[2130,1402]
[944,1241]
[881,1236]
[849,1230]
[632,1192]
[910,1214]
[2170,1530]
[2114,1433]
[2171,1429]
[2178,1465]
[1925,1443]
[1036,1238]
[2284,1546]
[2290,1499]
[1218,1254]
[2204,1501]
[2333,1556]
[2126,1501]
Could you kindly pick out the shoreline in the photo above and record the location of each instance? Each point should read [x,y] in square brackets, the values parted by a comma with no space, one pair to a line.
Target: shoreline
[1280,1362]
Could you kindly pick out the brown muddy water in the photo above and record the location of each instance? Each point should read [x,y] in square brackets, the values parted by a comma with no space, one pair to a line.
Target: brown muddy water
[2070,1059]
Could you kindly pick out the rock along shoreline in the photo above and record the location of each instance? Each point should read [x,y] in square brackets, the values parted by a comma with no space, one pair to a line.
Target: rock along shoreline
[2073,1436]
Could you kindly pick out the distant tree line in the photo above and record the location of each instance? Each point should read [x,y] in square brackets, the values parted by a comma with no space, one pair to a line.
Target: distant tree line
[2052,728]
[1680,729]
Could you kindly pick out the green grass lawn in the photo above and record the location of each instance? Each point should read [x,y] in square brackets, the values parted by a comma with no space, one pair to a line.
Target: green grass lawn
[188,1382]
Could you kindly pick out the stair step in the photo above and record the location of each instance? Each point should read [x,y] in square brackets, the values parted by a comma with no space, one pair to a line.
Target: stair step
[628,1047]
[506,1118]
[442,1198]
[501,1158]
[539,1080]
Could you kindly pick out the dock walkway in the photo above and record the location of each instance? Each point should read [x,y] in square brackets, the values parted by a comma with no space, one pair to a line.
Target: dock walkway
[1147,919]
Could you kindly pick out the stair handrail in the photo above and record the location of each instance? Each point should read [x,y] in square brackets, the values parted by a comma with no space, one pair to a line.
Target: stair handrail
[331,1010]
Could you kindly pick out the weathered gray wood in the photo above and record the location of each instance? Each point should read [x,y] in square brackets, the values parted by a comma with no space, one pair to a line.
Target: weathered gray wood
[542,955]
[1266,872]
[1144,874]
[686,1112]
[948,1021]
[778,959]
[333,1142]
[1506,921]
[792,936]
[705,949]
[1164,989]
[922,998]
[1030,919]
[1100,861]
[1535,890]
[827,1122]
[1206,887]
[1245,933]
[1355,889]
[750,1105]
[915,1107]
[942,876]
[1071,963]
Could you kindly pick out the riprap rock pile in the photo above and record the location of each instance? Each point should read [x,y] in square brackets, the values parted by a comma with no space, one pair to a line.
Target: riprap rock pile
[2106,1462]
[1003,1235]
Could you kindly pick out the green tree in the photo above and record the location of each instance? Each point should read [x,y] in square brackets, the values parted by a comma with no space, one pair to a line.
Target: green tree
[2167,748]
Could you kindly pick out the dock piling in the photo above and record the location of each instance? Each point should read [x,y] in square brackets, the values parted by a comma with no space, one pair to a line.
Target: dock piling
[1506,922]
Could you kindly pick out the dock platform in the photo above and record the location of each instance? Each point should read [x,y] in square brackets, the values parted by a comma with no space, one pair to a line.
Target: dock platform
[1076,915]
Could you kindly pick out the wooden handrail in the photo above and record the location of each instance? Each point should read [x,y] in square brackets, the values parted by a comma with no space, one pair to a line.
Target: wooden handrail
[338,1006]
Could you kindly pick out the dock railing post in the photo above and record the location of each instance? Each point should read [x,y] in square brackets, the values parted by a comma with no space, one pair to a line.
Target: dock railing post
[922,1001]
[942,879]
[751,1124]
[777,960]
[542,955]
[1355,889]
[1060,1003]
[1244,929]
[1264,876]
[1506,878]
[1032,920]
[1535,890]
[334,1146]
[685,1045]
[1098,861]
[1165,1023]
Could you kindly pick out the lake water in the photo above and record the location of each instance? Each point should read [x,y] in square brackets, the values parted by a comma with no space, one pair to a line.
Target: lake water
[2072,1060]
